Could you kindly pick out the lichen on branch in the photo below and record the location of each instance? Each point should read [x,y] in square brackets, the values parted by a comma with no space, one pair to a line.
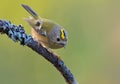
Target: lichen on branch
[17,34]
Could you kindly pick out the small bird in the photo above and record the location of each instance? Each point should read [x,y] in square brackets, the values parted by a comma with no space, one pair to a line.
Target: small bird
[46,32]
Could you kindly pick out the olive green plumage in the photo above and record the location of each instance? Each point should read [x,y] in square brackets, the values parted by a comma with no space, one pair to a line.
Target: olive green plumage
[45,31]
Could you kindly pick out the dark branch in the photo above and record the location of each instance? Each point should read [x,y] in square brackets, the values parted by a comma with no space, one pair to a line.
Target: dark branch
[17,33]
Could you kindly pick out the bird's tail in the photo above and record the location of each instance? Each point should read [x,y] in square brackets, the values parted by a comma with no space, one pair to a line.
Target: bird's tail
[30,11]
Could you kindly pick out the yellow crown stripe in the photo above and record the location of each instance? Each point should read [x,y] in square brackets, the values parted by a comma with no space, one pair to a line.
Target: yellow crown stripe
[62,34]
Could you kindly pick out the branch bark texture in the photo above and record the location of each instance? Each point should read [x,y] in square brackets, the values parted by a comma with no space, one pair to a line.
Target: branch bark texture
[17,34]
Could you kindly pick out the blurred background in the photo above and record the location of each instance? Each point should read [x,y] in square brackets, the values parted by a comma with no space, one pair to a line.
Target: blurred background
[93,50]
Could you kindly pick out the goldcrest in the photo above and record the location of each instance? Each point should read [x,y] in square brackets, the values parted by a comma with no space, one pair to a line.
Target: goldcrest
[47,32]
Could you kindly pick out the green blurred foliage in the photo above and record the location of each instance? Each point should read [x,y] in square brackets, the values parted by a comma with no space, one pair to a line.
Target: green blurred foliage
[93,50]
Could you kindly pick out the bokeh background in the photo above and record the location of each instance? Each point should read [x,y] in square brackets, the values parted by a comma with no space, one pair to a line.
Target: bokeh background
[93,50]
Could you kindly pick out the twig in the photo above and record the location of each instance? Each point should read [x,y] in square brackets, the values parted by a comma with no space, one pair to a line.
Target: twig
[17,33]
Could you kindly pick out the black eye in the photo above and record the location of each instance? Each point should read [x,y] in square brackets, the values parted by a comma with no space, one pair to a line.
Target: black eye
[38,23]
[58,39]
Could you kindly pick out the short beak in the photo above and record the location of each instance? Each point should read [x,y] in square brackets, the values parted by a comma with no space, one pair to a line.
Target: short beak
[63,45]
